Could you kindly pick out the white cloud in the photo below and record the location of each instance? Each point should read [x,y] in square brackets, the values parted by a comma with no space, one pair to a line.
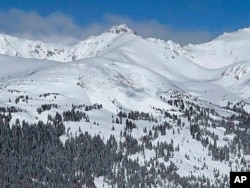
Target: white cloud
[58,27]
[55,27]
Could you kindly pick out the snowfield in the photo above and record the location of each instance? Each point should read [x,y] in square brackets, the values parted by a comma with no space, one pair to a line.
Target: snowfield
[124,72]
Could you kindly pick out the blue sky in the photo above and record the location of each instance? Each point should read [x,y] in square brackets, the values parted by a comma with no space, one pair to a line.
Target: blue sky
[184,21]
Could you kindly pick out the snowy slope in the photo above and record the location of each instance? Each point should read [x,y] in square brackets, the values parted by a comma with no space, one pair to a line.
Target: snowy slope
[114,84]
[227,49]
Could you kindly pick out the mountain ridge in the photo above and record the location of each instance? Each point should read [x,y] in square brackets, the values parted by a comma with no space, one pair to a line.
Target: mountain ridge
[226,49]
[92,46]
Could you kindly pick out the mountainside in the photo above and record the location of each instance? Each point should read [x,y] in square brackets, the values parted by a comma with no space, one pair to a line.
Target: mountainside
[124,112]
[93,46]
[227,49]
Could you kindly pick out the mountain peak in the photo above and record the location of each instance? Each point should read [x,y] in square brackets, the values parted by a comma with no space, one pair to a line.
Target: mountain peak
[122,28]
[241,34]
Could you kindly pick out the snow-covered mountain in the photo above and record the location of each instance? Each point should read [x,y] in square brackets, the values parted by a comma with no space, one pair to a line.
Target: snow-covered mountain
[161,117]
[93,46]
[226,49]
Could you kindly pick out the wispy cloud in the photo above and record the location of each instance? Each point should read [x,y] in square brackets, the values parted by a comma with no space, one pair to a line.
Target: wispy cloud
[58,27]
[55,27]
